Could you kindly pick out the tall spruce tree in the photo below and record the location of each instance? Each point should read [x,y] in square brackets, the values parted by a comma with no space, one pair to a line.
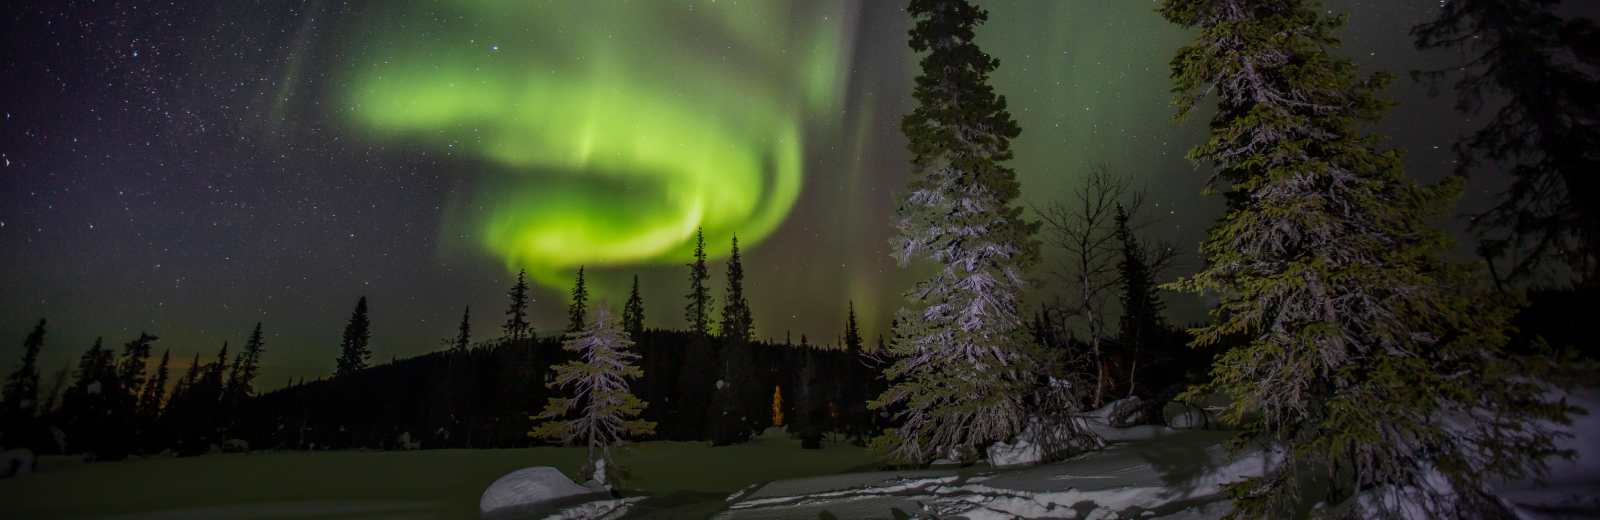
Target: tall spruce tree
[155,389]
[22,386]
[1547,132]
[1142,324]
[126,418]
[607,410]
[21,402]
[736,321]
[580,306]
[965,366]
[1359,338]
[135,354]
[735,412]
[89,404]
[517,326]
[633,311]
[242,375]
[353,351]
[178,402]
[852,332]
[698,312]
[202,415]
[463,333]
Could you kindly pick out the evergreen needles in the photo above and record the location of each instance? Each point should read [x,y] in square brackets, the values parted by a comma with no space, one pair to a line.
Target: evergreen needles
[965,366]
[1366,362]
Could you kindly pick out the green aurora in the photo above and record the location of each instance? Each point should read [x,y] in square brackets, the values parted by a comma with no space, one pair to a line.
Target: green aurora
[606,134]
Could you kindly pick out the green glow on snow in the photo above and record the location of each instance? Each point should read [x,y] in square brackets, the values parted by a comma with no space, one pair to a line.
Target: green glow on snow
[607,132]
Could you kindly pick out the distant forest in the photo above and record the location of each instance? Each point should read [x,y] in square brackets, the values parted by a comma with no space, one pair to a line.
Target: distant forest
[700,385]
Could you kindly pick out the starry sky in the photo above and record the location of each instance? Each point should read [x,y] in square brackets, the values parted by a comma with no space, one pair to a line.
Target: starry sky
[192,168]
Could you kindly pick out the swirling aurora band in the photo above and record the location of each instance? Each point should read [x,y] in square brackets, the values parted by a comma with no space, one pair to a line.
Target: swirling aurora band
[606,133]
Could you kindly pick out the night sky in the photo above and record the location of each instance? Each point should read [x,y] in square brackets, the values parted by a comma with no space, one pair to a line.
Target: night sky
[193,168]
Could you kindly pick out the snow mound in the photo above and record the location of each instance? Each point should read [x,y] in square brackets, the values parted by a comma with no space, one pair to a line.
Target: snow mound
[236,446]
[526,490]
[1024,449]
[16,463]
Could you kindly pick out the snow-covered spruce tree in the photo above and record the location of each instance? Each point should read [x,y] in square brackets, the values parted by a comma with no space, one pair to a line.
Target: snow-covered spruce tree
[965,367]
[607,412]
[1370,363]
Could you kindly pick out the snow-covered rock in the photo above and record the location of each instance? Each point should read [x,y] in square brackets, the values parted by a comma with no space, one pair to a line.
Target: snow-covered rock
[1193,420]
[16,463]
[235,446]
[407,444]
[526,490]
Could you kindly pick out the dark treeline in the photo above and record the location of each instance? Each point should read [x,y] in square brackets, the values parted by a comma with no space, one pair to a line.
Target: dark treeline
[482,397]
[700,388]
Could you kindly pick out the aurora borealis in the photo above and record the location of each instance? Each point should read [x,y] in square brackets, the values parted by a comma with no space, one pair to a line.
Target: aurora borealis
[602,139]
[190,169]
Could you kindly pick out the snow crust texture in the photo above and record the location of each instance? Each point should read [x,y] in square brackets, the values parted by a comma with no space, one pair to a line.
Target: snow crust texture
[526,490]
[598,510]
[1177,477]
[1147,472]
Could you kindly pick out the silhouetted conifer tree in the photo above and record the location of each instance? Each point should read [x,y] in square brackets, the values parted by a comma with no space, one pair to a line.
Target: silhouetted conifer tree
[155,390]
[463,337]
[698,312]
[1142,327]
[1543,68]
[852,331]
[180,393]
[811,415]
[580,305]
[633,311]
[19,409]
[354,351]
[89,404]
[135,354]
[242,375]
[736,320]
[517,326]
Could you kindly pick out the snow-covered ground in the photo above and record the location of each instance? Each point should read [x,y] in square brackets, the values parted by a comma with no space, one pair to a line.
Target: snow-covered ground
[686,477]
[1147,472]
